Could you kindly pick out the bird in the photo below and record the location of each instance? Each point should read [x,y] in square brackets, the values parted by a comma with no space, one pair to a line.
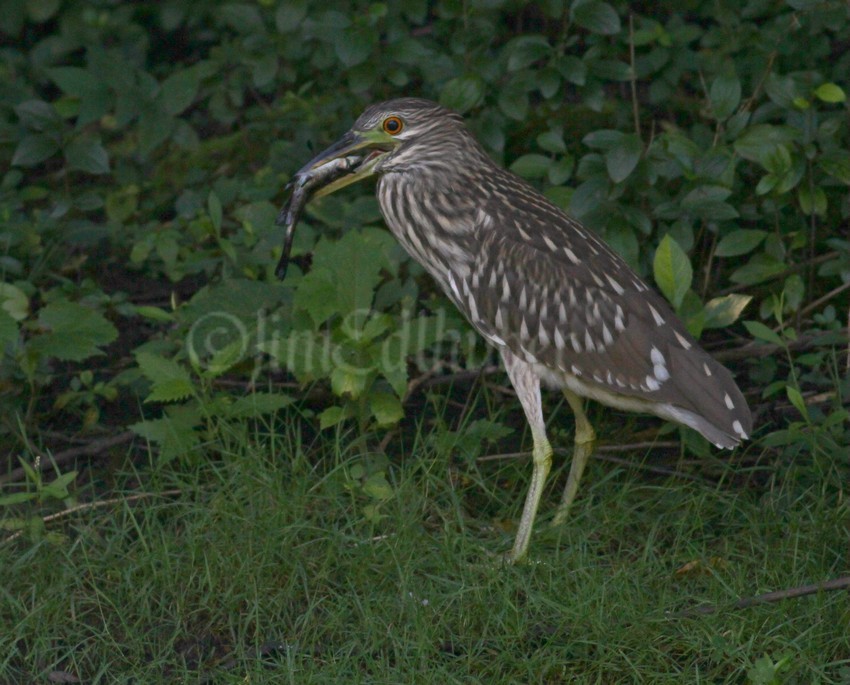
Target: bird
[561,307]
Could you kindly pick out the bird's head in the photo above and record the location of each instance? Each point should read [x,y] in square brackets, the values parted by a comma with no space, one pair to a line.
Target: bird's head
[392,135]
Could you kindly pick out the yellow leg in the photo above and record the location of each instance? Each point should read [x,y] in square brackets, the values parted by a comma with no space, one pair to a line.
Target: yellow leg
[584,443]
[527,386]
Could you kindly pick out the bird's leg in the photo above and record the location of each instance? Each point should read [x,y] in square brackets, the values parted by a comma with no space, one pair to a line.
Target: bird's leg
[527,386]
[584,443]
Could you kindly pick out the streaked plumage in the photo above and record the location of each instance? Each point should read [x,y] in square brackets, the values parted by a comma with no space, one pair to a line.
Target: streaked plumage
[559,304]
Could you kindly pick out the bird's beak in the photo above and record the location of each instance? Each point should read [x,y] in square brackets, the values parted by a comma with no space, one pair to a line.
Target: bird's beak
[368,147]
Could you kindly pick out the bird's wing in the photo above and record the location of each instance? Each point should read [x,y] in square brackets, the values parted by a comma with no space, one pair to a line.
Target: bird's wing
[553,302]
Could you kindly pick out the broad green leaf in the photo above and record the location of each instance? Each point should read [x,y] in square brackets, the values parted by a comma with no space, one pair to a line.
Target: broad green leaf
[760,140]
[331,417]
[462,93]
[739,242]
[377,486]
[621,160]
[14,301]
[672,270]
[525,50]
[552,141]
[170,381]
[256,404]
[386,408]
[34,149]
[725,96]
[758,330]
[836,163]
[316,294]
[174,434]
[355,45]
[812,200]
[830,92]
[73,332]
[596,17]
[724,311]
[355,261]
[760,267]
[88,155]
[178,91]
[531,165]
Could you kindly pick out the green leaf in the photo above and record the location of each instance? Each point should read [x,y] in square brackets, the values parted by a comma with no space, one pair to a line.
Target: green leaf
[34,149]
[88,155]
[621,160]
[14,301]
[673,271]
[739,242]
[170,381]
[462,93]
[316,294]
[355,261]
[531,165]
[552,141]
[58,487]
[8,329]
[256,404]
[377,486]
[72,332]
[175,433]
[724,311]
[796,398]
[524,51]
[178,91]
[725,96]
[759,141]
[214,209]
[355,45]
[829,92]
[836,163]
[758,330]
[386,408]
[596,17]
[331,417]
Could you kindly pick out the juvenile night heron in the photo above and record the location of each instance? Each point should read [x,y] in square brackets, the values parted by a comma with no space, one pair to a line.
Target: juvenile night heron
[560,306]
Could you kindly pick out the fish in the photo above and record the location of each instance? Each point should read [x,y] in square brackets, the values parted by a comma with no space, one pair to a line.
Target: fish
[304,184]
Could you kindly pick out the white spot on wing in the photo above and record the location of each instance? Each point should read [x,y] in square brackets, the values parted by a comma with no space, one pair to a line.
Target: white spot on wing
[614,284]
[706,369]
[588,342]
[729,403]
[656,356]
[606,335]
[549,243]
[560,343]
[571,255]
[683,341]
[739,429]
[652,384]
[659,321]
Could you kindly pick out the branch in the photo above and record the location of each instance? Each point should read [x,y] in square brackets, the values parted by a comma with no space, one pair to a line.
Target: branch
[89,449]
[768,597]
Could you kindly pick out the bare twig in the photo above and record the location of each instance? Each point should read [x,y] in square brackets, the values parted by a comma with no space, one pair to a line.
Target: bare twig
[89,449]
[768,597]
[97,504]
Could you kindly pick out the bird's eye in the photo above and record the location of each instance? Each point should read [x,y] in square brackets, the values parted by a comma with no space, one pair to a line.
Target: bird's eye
[393,125]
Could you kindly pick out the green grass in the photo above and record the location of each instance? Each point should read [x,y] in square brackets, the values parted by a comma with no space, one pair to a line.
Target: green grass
[267,568]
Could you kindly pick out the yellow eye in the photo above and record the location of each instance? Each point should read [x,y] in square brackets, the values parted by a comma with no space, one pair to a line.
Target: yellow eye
[393,125]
